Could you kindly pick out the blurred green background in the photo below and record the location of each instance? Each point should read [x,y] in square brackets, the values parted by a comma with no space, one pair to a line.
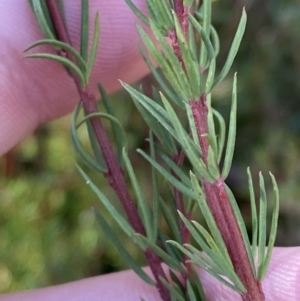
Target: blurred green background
[48,233]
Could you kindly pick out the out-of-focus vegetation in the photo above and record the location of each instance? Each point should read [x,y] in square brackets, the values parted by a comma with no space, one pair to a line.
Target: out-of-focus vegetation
[48,233]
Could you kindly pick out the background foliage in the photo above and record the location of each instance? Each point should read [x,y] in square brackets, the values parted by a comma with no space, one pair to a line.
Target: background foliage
[48,234]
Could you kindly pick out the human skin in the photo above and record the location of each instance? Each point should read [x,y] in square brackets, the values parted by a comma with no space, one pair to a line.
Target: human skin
[37,91]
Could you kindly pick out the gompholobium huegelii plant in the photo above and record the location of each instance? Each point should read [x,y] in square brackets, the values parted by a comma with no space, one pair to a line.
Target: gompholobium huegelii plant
[185,130]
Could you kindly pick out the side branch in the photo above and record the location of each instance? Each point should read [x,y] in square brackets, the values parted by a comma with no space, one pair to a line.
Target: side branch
[115,174]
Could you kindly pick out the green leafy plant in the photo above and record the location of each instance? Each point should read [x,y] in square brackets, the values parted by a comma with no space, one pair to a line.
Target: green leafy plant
[185,131]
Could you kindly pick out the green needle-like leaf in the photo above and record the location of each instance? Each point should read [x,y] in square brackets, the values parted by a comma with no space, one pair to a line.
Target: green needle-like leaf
[262,234]
[187,144]
[192,125]
[170,217]
[119,135]
[122,251]
[169,91]
[142,204]
[222,133]
[173,63]
[62,60]
[231,132]
[173,263]
[84,34]
[155,199]
[208,216]
[253,214]
[273,230]
[98,165]
[176,169]
[137,12]
[175,291]
[206,27]
[210,51]
[191,66]
[64,46]
[43,18]
[170,178]
[120,220]
[94,49]
[242,226]
[166,68]
[234,49]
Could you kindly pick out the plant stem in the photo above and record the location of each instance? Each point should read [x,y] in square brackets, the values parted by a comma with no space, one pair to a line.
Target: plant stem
[219,204]
[115,174]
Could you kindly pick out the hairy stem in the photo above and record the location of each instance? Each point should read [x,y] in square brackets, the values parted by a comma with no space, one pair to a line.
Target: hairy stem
[219,204]
[115,174]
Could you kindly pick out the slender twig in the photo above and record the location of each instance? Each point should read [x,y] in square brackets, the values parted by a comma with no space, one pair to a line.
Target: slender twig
[115,174]
[216,194]
[219,204]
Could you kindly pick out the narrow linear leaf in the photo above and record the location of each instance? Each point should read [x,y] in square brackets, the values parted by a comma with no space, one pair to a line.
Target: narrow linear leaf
[185,141]
[170,216]
[221,135]
[212,164]
[217,267]
[197,287]
[120,220]
[174,290]
[242,226]
[192,125]
[155,199]
[62,60]
[164,10]
[206,27]
[253,214]
[113,121]
[173,263]
[142,203]
[210,52]
[169,91]
[262,234]
[215,40]
[208,216]
[94,49]
[119,135]
[166,68]
[234,48]
[156,110]
[64,46]
[192,43]
[98,165]
[192,66]
[137,12]
[170,178]
[43,19]
[176,169]
[84,30]
[174,64]
[231,132]
[211,127]
[190,292]
[273,230]
[95,145]
[170,249]
[122,251]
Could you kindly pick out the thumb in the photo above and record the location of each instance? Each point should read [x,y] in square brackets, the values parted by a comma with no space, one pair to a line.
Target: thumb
[37,91]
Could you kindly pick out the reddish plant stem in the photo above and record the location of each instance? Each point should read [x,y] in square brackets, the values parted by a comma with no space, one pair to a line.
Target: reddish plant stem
[219,204]
[115,174]
[181,12]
